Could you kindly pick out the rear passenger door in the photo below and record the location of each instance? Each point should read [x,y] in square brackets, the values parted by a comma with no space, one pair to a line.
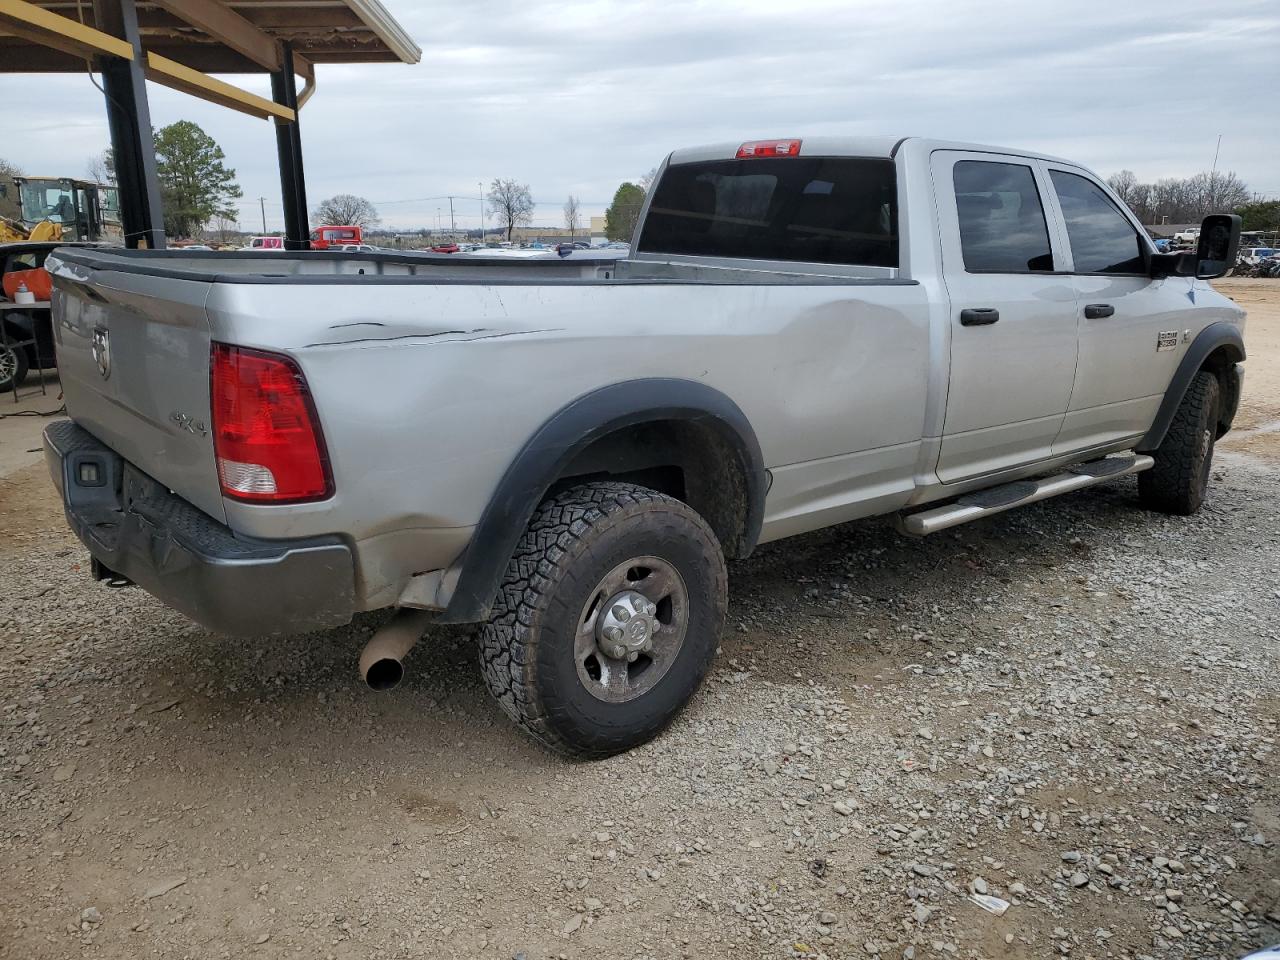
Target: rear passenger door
[1130,325]
[1013,325]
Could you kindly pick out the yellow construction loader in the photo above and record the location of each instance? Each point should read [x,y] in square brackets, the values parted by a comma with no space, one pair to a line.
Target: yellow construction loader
[60,208]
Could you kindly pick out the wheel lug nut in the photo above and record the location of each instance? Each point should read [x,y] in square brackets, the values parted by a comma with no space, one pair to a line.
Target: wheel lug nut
[632,657]
[613,633]
[621,613]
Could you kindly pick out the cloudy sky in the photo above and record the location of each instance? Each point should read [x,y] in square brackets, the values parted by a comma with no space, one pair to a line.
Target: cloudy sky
[575,97]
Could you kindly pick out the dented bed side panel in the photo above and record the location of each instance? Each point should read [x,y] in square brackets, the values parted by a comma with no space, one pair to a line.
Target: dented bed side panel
[427,392]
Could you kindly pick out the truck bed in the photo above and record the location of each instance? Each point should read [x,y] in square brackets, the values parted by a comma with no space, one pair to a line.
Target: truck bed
[430,372]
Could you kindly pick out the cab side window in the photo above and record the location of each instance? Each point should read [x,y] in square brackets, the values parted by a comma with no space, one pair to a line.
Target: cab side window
[1102,239]
[1002,222]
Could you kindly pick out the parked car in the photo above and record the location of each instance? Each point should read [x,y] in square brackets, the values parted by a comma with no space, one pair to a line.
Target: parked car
[565,451]
[264,243]
[1253,255]
[1187,237]
[445,248]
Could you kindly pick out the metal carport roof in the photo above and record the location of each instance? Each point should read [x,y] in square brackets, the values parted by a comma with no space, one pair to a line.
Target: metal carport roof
[178,43]
[197,33]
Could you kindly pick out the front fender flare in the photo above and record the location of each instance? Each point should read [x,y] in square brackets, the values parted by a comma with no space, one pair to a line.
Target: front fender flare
[544,457]
[1218,335]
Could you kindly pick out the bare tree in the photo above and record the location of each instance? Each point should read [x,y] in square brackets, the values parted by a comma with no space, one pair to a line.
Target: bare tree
[647,180]
[101,167]
[571,215]
[223,225]
[512,202]
[1216,192]
[346,210]
[1124,184]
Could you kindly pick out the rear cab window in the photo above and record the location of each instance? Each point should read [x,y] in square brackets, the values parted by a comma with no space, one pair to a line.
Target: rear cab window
[834,210]
[1003,228]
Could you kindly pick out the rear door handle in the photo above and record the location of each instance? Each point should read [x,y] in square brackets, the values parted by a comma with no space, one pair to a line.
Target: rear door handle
[1097,311]
[978,316]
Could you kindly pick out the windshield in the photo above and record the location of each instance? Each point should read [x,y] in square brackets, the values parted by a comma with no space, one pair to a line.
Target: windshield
[47,200]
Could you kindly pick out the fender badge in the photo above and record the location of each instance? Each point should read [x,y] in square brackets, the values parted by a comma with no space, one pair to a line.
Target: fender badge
[1166,340]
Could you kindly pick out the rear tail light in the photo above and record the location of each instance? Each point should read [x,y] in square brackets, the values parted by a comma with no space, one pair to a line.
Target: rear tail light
[769,148]
[266,436]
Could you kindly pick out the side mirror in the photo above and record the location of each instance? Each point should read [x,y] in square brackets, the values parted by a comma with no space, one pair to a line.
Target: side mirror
[1219,242]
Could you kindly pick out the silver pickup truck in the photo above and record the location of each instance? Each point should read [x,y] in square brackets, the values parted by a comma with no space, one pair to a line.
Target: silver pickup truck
[805,332]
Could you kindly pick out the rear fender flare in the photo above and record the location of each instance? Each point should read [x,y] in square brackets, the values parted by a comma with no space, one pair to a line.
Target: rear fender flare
[548,452]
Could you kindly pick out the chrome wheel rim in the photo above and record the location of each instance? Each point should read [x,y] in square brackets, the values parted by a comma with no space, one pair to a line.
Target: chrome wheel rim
[8,364]
[631,629]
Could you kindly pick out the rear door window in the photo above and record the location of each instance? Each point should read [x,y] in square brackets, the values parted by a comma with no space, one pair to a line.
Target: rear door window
[1102,238]
[1002,222]
[837,210]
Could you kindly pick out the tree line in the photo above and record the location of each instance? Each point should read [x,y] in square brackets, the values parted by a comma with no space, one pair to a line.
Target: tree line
[1180,199]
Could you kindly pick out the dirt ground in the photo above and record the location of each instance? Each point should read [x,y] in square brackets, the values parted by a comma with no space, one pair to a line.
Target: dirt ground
[1071,707]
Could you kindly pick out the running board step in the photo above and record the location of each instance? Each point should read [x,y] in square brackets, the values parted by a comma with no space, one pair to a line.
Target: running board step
[986,503]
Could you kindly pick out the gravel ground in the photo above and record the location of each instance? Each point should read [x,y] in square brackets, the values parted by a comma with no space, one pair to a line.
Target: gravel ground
[1071,708]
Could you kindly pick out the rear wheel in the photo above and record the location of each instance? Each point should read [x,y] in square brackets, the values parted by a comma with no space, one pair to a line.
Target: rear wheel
[607,619]
[13,367]
[1179,480]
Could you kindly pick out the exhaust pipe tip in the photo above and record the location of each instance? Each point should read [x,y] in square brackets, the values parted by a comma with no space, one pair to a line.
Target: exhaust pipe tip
[384,674]
[382,660]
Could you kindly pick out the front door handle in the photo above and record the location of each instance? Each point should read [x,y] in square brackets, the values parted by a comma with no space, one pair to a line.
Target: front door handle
[978,316]
[1097,311]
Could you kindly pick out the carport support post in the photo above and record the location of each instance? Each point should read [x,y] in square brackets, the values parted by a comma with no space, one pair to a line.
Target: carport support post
[129,117]
[284,90]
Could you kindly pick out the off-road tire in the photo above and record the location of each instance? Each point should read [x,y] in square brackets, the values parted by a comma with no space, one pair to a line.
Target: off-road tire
[13,367]
[527,647]
[1179,480]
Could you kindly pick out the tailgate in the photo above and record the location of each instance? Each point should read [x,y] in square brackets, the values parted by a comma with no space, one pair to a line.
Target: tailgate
[133,356]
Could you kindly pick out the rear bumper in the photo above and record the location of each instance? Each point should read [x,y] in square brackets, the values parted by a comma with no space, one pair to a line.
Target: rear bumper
[136,529]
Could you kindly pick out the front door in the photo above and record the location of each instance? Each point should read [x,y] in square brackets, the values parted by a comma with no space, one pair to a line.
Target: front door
[1013,325]
[1130,328]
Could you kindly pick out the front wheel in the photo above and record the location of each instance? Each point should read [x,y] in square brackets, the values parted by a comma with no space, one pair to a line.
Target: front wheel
[607,619]
[1179,480]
